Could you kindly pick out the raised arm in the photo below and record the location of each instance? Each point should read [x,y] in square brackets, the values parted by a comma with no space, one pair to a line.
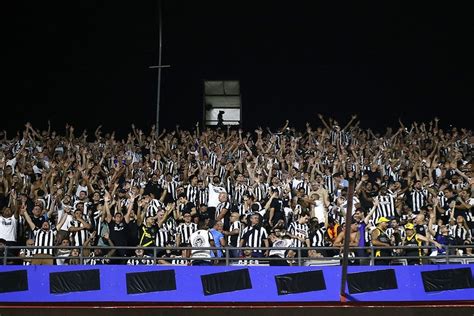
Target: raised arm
[168,210]
[27,217]
[108,215]
[431,241]
[432,217]
[353,117]
[372,211]
[320,116]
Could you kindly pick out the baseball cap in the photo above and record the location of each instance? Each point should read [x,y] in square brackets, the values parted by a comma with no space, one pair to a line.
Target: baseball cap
[409,226]
[383,220]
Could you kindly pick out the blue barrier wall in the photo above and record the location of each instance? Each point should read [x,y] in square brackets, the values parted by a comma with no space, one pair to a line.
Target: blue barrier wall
[189,287]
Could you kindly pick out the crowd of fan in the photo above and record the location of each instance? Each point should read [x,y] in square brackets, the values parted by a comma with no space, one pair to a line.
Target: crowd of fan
[229,189]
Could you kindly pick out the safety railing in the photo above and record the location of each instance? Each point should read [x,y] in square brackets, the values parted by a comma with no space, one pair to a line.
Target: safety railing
[293,255]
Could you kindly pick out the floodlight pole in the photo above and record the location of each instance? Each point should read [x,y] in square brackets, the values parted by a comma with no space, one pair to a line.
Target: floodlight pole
[159,66]
[347,239]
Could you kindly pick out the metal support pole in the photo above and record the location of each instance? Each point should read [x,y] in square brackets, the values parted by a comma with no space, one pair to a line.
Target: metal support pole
[347,239]
[5,252]
[81,258]
[447,254]
[160,45]
[372,259]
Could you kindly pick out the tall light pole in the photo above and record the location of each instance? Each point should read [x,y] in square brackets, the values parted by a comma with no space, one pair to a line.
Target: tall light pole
[347,238]
[159,66]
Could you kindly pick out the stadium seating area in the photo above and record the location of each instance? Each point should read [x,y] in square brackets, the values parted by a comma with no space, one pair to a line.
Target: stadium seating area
[237,197]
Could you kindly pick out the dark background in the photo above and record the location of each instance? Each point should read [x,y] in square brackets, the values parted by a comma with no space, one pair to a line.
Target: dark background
[86,62]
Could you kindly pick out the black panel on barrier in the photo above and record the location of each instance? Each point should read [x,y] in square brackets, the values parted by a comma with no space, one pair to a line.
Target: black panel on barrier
[226,282]
[153,281]
[372,281]
[74,281]
[449,279]
[300,282]
[13,281]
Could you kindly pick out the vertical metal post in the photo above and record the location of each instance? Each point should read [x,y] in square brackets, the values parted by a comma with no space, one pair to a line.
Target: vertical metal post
[154,255]
[160,46]
[81,258]
[299,256]
[5,252]
[347,239]
[447,254]
[372,259]
[227,257]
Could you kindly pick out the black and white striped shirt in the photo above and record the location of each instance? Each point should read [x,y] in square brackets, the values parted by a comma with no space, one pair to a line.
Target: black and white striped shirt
[461,233]
[234,240]
[418,200]
[192,193]
[213,159]
[170,167]
[171,188]
[202,197]
[318,239]
[442,200]
[238,193]
[185,230]
[78,237]
[391,230]
[244,209]
[254,237]
[260,192]
[220,207]
[44,238]
[299,230]
[329,184]
[386,207]
[161,238]
[305,185]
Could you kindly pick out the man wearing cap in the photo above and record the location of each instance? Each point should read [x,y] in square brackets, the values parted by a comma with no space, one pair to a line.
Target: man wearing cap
[414,241]
[381,239]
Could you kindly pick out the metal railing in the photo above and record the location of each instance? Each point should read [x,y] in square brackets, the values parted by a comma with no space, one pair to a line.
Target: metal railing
[451,254]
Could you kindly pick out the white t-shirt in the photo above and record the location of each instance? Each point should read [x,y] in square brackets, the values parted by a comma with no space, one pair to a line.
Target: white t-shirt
[8,228]
[281,243]
[201,239]
[214,192]
[319,211]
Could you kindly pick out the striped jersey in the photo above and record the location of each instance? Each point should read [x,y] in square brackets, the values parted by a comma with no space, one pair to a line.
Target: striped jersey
[44,238]
[186,230]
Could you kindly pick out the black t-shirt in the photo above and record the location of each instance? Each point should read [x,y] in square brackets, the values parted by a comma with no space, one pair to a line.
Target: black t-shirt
[277,204]
[38,221]
[154,188]
[133,233]
[147,235]
[118,233]
[278,214]
[373,175]
[420,229]
[187,209]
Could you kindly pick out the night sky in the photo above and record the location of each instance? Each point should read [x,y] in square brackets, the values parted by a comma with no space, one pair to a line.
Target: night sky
[86,62]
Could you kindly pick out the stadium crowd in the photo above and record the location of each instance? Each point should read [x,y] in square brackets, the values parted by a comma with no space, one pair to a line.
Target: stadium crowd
[228,188]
